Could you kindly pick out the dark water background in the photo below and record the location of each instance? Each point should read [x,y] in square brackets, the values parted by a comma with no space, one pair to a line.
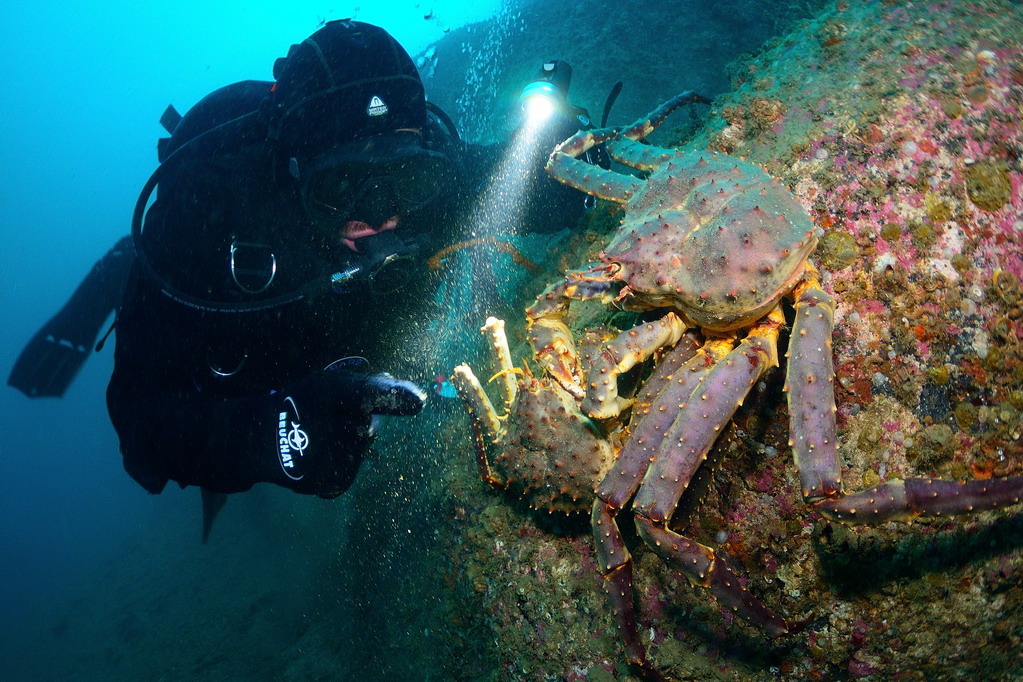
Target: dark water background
[84,87]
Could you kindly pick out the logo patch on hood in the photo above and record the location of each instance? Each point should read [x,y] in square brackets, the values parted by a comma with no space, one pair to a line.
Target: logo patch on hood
[376,106]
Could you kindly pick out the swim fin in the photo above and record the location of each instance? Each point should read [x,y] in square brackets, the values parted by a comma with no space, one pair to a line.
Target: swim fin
[52,358]
[212,503]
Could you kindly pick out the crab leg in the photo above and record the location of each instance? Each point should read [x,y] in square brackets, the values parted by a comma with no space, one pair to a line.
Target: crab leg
[642,157]
[565,167]
[551,341]
[625,477]
[702,416]
[628,349]
[485,425]
[476,399]
[615,564]
[904,500]
[626,149]
[504,369]
[485,421]
[650,400]
[685,447]
[810,387]
[585,177]
[647,125]
[706,568]
[676,374]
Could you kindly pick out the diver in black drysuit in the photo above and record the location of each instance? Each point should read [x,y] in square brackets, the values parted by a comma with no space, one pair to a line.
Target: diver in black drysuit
[291,226]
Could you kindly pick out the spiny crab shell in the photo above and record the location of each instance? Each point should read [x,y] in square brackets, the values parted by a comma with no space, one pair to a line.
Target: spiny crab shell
[544,451]
[712,237]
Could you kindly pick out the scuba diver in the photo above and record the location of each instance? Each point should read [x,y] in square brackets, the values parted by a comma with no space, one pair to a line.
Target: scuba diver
[280,241]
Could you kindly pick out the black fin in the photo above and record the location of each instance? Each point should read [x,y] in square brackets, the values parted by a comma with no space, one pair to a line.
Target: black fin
[212,503]
[170,119]
[51,359]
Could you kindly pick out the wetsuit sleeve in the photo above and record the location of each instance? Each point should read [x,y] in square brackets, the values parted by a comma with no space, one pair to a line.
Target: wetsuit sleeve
[309,437]
[52,358]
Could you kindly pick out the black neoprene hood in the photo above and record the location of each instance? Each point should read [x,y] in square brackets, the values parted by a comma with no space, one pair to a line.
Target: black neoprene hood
[347,80]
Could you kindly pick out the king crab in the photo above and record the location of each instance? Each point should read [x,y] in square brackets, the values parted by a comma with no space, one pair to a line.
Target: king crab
[719,244]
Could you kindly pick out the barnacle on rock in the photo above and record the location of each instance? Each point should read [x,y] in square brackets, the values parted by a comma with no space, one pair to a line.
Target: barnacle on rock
[938,375]
[763,113]
[1007,287]
[987,184]
[965,415]
[923,235]
[728,140]
[961,263]
[950,105]
[891,232]
[837,250]
[938,210]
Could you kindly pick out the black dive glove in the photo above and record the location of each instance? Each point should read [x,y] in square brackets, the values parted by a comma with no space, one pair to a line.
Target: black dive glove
[325,423]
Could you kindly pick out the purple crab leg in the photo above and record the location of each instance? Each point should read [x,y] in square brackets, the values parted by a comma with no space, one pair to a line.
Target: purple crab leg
[625,476]
[811,392]
[702,416]
[898,500]
[647,125]
[810,386]
[676,375]
[564,167]
[670,363]
[615,564]
[706,568]
[629,348]
[685,446]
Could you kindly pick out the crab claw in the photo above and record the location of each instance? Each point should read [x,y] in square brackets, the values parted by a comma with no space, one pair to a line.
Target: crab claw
[505,370]
[555,351]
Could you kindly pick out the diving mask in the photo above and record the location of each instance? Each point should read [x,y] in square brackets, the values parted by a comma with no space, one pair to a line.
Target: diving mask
[391,174]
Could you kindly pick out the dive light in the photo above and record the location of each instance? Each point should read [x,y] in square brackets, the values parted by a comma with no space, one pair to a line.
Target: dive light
[548,93]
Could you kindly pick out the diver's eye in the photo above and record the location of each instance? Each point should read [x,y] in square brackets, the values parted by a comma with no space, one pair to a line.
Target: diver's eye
[331,189]
[419,181]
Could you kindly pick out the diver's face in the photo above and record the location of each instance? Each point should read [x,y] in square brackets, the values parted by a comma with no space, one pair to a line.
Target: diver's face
[367,186]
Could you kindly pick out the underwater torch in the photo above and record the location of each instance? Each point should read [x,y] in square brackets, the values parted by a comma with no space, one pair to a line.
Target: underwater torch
[548,93]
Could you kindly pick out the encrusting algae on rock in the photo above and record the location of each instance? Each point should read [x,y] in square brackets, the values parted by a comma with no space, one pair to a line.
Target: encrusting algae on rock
[988,184]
